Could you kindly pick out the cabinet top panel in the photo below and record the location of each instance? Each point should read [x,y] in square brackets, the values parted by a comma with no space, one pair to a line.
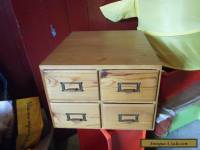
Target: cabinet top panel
[102,48]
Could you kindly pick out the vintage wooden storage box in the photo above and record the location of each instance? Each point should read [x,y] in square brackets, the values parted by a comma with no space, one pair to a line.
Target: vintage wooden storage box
[102,79]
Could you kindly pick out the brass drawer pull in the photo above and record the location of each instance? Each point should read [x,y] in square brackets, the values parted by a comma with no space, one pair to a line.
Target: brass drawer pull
[128,117]
[76,117]
[72,86]
[128,87]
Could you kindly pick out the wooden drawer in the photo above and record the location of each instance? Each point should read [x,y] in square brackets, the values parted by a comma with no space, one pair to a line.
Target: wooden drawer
[126,86]
[128,116]
[72,85]
[75,115]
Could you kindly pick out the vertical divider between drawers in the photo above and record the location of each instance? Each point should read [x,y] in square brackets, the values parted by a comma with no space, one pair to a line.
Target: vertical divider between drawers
[100,104]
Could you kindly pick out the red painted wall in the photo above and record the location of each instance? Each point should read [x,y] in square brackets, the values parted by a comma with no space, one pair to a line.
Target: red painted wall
[13,61]
[35,18]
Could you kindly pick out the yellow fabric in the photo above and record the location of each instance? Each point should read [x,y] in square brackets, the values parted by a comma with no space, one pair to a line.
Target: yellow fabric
[171,26]
[178,52]
[119,10]
[29,122]
[169,17]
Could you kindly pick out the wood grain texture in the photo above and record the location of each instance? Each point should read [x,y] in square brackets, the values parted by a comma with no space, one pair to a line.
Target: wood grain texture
[103,48]
[157,97]
[147,80]
[88,78]
[110,113]
[91,110]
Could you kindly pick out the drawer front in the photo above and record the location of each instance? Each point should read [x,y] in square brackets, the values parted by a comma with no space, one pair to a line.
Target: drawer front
[129,85]
[73,85]
[128,116]
[75,115]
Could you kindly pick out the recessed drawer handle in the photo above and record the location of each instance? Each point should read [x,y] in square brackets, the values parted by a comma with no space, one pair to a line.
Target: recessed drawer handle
[128,87]
[128,117]
[72,86]
[76,117]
